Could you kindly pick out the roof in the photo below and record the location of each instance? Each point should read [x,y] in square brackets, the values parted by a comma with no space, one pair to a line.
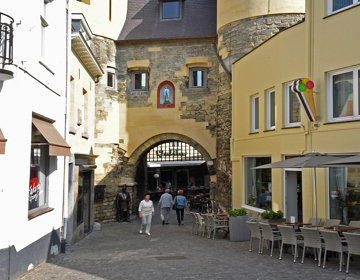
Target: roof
[143,20]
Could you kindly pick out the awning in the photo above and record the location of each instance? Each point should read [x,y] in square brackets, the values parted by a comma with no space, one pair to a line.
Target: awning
[2,142]
[57,144]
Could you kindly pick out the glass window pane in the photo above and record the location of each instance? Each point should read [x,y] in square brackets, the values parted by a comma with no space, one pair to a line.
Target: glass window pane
[37,191]
[258,183]
[198,78]
[256,113]
[344,186]
[339,4]
[343,95]
[140,81]
[110,79]
[171,9]
[272,108]
[294,107]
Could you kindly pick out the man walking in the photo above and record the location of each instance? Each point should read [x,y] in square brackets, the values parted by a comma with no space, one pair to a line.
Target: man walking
[165,203]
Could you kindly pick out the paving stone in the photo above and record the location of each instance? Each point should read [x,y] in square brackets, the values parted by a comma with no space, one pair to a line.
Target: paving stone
[173,252]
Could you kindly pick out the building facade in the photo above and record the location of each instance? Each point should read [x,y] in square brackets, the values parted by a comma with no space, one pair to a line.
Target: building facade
[33,92]
[269,124]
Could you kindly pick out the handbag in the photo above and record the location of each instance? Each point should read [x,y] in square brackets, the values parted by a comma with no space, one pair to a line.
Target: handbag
[175,204]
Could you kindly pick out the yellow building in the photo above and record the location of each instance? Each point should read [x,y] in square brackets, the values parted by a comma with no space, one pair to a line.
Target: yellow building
[269,124]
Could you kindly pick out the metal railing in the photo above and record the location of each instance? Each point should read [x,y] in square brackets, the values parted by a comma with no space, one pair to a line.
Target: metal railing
[6,39]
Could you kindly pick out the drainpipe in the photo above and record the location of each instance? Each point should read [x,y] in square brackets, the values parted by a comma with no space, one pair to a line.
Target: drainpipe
[221,61]
[65,185]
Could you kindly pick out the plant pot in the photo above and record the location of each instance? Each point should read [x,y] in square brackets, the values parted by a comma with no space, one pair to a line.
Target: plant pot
[239,230]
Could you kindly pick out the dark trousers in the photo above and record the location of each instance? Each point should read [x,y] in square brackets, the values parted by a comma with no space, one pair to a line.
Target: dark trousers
[178,212]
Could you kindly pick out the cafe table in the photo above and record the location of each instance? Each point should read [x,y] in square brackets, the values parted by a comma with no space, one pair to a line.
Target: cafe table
[339,228]
[296,224]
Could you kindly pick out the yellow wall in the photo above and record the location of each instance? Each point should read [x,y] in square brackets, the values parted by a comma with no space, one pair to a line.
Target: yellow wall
[229,11]
[97,16]
[310,49]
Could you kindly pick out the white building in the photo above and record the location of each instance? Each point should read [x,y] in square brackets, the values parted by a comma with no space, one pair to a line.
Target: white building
[33,162]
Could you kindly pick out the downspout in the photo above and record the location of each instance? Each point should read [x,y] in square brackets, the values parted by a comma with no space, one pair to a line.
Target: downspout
[221,61]
[65,186]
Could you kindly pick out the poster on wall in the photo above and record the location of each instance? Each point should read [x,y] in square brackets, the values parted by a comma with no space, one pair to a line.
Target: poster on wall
[166,95]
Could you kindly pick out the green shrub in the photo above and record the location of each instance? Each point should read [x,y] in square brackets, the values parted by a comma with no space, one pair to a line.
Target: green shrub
[272,215]
[237,212]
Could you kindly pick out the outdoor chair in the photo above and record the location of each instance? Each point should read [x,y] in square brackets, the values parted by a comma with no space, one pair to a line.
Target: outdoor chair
[195,223]
[206,225]
[269,235]
[200,223]
[332,223]
[313,223]
[333,243]
[216,226]
[353,241]
[354,224]
[289,237]
[312,239]
[255,233]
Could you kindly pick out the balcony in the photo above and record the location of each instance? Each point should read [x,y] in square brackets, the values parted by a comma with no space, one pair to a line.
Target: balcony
[6,46]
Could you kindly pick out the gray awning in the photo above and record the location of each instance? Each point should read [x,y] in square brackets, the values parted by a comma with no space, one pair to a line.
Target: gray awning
[352,162]
[174,163]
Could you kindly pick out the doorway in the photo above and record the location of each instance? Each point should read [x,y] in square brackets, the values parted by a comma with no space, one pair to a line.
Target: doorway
[84,200]
[293,194]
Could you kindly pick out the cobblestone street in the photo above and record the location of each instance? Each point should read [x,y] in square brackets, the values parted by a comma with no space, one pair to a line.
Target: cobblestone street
[172,252]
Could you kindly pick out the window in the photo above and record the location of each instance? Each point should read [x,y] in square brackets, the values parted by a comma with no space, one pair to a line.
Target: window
[255,113]
[292,107]
[344,189]
[257,183]
[198,78]
[335,6]
[170,9]
[270,109]
[44,25]
[343,103]
[39,163]
[84,111]
[111,78]
[139,80]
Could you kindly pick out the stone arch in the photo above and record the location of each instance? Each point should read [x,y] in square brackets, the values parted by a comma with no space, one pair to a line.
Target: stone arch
[146,146]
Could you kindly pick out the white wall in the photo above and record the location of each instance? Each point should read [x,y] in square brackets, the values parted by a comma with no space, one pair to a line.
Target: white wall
[20,97]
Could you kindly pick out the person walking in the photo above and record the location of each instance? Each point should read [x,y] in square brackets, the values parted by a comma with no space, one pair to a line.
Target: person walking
[165,203]
[181,204]
[146,212]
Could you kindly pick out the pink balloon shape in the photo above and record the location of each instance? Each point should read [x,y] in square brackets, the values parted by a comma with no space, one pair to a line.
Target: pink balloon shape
[310,84]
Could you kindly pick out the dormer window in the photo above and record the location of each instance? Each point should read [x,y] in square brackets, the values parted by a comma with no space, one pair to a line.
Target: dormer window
[170,9]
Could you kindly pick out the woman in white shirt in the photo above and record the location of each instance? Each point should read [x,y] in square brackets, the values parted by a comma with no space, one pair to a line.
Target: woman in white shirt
[146,211]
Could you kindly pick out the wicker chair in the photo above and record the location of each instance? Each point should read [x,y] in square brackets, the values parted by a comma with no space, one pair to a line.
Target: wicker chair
[353,241]
[312,239]
[332,223]
[354,224]
[214,226]
[206,225]
[195,223]
[200,223]
[313,222]
[269,235]
[255,233]
[289,237]
[333,243]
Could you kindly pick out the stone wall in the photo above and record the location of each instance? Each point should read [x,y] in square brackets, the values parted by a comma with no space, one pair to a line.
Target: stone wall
[234,41]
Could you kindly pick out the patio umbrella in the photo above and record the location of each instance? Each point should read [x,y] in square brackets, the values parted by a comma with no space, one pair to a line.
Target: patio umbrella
[351,162]
[310,160]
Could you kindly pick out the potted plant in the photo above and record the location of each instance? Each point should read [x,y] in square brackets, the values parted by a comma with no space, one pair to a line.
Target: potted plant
[272,216]
[239,230]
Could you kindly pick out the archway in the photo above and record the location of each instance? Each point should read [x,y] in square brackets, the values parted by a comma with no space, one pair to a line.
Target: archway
[190,162]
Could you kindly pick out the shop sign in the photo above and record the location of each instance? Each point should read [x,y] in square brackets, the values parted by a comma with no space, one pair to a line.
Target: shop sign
[162,153]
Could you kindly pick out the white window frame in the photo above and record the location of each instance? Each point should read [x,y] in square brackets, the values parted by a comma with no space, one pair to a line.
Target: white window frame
[330,7]
[253,113]
[112,72]
[269,109]
[287,108]
[330,76]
